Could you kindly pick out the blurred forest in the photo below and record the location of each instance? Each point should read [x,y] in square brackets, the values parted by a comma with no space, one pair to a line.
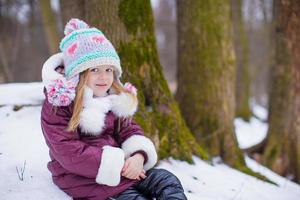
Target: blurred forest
[244,51]
[24,44]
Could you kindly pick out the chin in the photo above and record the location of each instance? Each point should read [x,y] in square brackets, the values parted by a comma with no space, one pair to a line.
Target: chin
[99,94]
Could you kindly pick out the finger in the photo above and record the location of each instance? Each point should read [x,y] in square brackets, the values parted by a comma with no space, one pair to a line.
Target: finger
[142,175]
[143,172]
[128,171]
[133,174]
[125,167]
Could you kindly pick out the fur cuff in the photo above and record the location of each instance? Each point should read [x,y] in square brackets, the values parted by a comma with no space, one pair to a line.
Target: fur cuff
[112,162]
[140,142]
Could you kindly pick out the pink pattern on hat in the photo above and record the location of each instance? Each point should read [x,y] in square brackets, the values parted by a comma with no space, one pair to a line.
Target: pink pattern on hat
[99,39]
[72,48]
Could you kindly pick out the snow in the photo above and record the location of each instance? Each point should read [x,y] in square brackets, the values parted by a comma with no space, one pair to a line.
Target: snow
[252,132]
[20,93]
[21,140]
[222,182]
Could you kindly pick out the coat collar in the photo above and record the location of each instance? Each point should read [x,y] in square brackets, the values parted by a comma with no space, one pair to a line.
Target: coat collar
[92,117]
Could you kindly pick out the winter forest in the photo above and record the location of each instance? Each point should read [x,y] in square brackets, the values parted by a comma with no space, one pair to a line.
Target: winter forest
[218,85]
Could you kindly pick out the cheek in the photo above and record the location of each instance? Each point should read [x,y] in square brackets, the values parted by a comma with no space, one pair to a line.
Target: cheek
[90,81]
[110,79]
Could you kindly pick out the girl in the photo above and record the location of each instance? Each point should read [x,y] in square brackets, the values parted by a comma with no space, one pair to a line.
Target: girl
[97,152]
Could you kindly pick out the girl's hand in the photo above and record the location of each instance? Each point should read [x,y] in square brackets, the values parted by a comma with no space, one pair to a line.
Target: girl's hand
[133,167]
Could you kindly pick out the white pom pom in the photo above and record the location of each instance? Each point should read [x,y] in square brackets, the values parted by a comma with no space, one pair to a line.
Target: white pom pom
[75,24]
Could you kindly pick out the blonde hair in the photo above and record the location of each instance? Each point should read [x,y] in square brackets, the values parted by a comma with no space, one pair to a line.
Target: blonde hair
[78,102]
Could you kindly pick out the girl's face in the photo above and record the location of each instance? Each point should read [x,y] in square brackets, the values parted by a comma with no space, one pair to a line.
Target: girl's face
[100,79]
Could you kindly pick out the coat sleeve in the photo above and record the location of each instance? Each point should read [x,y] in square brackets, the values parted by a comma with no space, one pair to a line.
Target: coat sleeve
[133,140]
[75,155]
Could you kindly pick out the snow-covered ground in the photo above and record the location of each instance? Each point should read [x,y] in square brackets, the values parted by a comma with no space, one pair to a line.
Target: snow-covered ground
[252,132]
[21,140]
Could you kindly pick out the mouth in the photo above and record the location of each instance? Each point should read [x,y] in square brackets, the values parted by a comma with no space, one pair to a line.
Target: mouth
[101,85]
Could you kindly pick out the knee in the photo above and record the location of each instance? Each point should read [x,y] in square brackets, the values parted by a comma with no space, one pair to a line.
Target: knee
[164,174]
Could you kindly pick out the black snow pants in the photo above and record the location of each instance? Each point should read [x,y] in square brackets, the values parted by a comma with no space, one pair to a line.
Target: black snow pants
[159,184]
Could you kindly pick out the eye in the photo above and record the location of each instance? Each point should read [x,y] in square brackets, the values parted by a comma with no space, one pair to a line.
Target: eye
[94,70]
[109,70]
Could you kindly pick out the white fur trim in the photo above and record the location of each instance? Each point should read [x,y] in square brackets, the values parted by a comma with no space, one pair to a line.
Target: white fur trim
[92,116]
[48,72]
[123,104]
[112,162]
[140,142]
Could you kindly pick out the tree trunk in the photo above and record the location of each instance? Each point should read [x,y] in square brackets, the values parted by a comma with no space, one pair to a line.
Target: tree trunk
[242,85]
[129,26]
[282,153]
[72,9]
[49,25]
[206,76]
[4,67]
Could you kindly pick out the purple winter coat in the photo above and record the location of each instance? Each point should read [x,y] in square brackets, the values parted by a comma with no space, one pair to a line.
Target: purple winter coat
[76,157]
[87,163]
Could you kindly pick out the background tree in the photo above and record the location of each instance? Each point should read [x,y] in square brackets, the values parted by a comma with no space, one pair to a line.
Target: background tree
[72,9]
[258,22]
[166,38]
[133,35]
[22,44]
[206,76]
[282,153]
[49,25]
[242,85]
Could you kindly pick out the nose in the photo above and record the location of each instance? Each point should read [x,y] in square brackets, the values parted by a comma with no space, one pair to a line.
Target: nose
[101,75]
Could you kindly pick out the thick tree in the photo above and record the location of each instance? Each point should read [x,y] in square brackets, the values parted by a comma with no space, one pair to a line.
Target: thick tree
[129,25]
[282,153]
[206,76]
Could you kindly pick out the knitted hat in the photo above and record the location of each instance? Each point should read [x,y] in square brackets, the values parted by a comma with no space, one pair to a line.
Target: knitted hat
[84,47]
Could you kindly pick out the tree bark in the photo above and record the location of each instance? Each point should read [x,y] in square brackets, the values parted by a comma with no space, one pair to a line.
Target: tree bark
[206,76]
[49,25]
[129,26]
[282,153]
[72,9]
[242,84]
[8,77]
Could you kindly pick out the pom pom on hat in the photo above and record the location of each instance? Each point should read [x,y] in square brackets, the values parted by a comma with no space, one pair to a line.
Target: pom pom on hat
[75,24]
